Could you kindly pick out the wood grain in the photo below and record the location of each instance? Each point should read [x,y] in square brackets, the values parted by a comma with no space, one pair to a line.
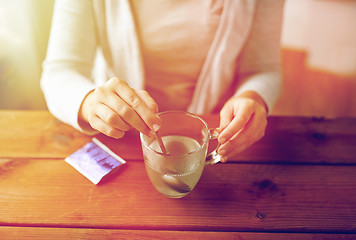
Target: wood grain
[305,140]
[36,134]
[10,233]
[229,197]
[291,140]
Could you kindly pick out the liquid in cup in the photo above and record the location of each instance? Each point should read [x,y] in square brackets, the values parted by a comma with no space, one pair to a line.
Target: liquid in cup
[185,137]
[181,169]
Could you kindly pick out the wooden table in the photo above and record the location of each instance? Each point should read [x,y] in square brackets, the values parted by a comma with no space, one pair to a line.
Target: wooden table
[298,182]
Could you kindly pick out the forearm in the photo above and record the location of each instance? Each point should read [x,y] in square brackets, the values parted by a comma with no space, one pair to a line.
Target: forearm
[66,78]
[255,97]
[259,67]
[265,85]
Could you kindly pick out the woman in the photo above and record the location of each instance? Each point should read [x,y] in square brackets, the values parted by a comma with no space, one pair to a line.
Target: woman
[111,64]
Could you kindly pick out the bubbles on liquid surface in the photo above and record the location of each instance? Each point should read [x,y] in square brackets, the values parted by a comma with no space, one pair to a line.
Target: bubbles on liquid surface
[177,145]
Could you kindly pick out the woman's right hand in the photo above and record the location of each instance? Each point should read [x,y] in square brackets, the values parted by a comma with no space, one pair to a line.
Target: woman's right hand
[115,107]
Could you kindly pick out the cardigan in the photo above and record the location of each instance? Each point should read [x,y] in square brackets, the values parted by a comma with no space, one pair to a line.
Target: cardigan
[101,35]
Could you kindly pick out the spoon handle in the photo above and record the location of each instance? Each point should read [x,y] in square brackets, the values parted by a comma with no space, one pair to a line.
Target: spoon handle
[160,142]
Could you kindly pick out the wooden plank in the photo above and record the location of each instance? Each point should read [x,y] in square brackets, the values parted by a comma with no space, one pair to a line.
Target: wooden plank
[287,140]
[36,134]
[229,197]
[305,140]
[9,233]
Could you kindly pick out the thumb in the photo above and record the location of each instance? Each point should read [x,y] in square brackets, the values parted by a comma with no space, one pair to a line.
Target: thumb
[226,116]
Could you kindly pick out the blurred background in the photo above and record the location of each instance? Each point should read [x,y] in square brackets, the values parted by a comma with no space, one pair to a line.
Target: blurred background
[318,55]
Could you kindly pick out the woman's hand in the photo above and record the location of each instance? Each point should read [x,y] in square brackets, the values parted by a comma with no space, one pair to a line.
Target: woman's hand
[243,121]
[115,107]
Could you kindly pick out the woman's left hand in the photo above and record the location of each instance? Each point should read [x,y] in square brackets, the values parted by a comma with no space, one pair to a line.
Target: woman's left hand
[243,121]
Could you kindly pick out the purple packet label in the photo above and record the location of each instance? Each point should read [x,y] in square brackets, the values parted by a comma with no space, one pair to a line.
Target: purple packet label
[95,161]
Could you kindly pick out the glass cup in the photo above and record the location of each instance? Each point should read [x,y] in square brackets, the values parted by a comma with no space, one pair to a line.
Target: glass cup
[186,138]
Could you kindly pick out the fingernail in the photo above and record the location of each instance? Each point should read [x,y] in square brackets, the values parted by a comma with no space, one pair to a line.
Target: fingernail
[222,140]
[223,159]
[222,151]
[151,134]
[155,127]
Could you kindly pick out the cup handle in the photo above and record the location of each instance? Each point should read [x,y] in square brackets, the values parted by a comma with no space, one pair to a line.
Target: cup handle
[213,157]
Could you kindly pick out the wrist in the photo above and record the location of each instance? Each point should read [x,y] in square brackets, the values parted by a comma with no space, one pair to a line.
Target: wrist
[83,114]
[255,97]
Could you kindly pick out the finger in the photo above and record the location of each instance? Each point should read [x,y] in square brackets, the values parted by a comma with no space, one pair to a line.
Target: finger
[109,107]
[131,117]
[226,116]
[233,153]
[232,148]
[122,91]
[253,131]
[238,122]
[134,101]
[149,101]
[109,115]
[98,124]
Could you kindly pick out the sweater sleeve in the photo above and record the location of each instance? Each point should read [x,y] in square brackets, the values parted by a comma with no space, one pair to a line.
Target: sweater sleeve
[66,77]
[259,65]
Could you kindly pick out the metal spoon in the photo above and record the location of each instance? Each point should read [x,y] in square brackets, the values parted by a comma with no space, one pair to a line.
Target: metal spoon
[176,184]
[169,180]
[160,143]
